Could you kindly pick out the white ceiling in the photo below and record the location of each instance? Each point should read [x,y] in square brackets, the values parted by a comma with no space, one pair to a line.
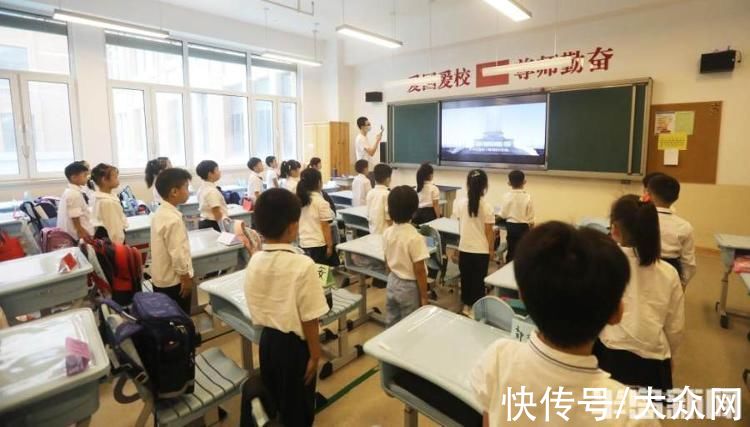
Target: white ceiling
[453,21]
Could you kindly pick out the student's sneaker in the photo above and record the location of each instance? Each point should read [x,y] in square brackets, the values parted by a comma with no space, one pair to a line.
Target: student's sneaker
[468,312]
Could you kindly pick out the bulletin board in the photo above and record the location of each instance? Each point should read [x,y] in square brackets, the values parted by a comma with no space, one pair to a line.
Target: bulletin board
[694,128]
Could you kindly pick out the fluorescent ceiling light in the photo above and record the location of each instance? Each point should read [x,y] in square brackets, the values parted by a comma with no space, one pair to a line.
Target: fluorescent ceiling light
[279,57]
[367,36]
[418,81]
[95,21]
[560,61]
[511,9]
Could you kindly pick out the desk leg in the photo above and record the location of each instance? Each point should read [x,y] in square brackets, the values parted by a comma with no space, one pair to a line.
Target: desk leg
[247,354]
[411,416]
[364,313]
[721,305]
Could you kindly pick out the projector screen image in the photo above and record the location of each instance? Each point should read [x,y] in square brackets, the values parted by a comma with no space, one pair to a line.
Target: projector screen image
[509,130]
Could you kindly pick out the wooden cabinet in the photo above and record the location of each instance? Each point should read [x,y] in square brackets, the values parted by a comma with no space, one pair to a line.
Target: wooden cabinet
[330,142]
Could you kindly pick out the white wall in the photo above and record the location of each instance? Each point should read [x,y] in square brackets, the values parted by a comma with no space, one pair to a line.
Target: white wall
[664,43]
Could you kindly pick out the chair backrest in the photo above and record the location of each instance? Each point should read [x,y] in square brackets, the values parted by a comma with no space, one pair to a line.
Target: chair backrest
[436,258]
[495,312]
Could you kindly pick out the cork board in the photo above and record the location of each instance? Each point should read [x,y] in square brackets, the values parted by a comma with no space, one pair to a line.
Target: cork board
[698,163]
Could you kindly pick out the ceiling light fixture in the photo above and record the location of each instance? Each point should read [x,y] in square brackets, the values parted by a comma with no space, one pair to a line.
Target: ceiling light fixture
[511,9]
[360,34]
[95,21]
[281,57]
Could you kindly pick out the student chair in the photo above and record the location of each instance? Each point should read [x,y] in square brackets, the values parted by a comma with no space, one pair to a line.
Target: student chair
[493,311]
[447,271]
[217,379]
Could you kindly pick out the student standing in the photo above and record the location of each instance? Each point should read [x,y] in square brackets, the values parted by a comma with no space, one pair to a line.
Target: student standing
[285,297]
[517,211]
[638,351]
[571,282]
[108,212]
[360,184]
[171,262]
[290,170]
[315,236]
[316,163]
[476,244]
[405,253]
[153,169]
[211,203]
[272,178]
[73,213]
[429,196]
[677,242]
[377,200]
[255,180]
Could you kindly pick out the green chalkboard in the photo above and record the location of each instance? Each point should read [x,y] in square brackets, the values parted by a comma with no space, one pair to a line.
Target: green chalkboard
[589,130]
[414,132]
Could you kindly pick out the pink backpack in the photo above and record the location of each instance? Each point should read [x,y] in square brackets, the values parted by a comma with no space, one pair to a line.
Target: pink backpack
[54,238]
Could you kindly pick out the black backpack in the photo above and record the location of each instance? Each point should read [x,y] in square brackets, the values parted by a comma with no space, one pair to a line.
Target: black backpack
[165,339]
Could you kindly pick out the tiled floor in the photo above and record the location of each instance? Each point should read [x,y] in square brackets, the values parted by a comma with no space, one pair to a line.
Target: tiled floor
[709,357]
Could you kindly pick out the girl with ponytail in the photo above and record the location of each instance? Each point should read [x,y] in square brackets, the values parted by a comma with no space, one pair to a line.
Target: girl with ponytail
[290,170]
[315,237]
[476,219]
[638,350]
[153,169]
[429,195]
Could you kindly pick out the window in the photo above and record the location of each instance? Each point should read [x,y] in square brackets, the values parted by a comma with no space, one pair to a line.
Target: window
[219,128]
[170,129]
[129,111]
[217,69]
[264,129]
[288,130]
[271,78]
[34,95]
[142,59]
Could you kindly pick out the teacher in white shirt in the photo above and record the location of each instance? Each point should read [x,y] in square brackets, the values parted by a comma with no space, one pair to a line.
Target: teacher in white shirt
[364,150]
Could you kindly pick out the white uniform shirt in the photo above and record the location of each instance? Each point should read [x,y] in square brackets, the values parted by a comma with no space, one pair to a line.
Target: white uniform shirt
[157,196]
[254,185]
[290,184]
[471,228]
[403,246]
[677,241]
[283,290]
[537,366]
[108,213]
[73,205]
[270,176]
[430,192]
[654,318]
[360,143]
[310,233]
[210,197]
[360,187]
[170,247]
[377,209]
[516,207]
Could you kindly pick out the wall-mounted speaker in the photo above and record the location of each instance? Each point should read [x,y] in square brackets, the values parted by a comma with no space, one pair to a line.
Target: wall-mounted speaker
[373,96]
[718,61]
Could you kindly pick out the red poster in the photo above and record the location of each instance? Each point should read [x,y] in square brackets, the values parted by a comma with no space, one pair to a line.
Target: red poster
[498,80]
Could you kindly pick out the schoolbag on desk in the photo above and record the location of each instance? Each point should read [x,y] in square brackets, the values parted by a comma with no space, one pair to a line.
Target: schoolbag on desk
[53,238]
[165,339]
[232,197]
[42,212]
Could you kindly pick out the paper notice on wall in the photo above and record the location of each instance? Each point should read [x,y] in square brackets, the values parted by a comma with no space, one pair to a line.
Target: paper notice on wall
[673,141]
[664,122]
[671,157]
[684,121]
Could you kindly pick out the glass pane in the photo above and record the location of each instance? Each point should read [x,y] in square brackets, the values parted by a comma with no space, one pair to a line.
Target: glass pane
[269,81]
[170,128]
[263,129]
[33,51]
[140,65]
[50,126]
[8,153]
[288,130]
[130,128]
[214,74]
[219,128]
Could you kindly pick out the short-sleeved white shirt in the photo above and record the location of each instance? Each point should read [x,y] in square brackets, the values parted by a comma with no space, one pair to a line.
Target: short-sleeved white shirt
[360,145]
[283,290]
[310,231]
[254,185]
[403,246]
[471,228]
[108,213]
[209,197]
[516,207]
[430,192]
[360,187]
[377,209]
[73,205]
[270,176]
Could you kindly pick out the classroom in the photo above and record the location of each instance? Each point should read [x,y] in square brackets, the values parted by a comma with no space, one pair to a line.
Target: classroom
[374,213]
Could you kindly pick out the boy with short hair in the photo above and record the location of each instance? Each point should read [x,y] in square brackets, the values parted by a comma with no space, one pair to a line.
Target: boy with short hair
[360,184]
[272,177]
[572,283]
[74,213]
[677,242]
[171,261]
[377,200]
[646,179]
[517,211]
[211,202]
[405,253]
[254,181]
[284,296]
